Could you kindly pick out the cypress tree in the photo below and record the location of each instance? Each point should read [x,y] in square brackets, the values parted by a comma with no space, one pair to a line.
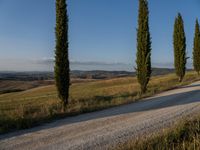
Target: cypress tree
[196,48]
[143,60]
[179,43]
[61,69]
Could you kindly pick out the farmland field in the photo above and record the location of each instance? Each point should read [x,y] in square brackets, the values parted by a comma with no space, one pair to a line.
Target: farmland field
[28,108]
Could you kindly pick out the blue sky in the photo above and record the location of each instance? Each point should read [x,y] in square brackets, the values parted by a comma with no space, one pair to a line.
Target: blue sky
[102,33]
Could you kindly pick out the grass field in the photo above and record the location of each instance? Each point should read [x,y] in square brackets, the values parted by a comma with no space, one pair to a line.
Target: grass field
[184,136]
[25,109]
[8,86]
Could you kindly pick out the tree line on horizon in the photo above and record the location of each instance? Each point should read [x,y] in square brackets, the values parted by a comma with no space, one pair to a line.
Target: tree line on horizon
[143,60]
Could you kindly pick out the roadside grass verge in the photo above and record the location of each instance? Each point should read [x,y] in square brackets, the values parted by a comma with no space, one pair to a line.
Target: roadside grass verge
[21,110]
[184,136]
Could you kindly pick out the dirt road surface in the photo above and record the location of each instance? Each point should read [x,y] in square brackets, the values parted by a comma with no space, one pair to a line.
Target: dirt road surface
[106,128]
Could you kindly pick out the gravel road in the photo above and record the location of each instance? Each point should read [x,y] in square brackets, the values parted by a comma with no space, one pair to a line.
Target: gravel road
[106,128]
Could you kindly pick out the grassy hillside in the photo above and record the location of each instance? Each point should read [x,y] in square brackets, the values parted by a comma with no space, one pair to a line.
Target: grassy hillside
[9,86]
[21,81]
[28,108]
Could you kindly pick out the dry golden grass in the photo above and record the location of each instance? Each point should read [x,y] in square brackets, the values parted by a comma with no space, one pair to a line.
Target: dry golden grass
[28,108]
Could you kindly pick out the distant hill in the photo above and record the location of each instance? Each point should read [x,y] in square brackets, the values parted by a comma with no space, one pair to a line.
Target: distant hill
[26,76]
[76,74]
[98,74]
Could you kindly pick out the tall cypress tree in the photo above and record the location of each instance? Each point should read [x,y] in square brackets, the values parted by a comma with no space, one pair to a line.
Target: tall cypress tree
[180,59]
[61,69]
[143,60]
[196,49]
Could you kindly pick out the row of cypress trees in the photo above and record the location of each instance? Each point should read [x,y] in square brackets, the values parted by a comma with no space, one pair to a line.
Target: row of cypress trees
[143,61]
[179,43]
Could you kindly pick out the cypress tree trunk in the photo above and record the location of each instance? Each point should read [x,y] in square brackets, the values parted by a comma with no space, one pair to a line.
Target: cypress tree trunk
[196,48]
[143,60]
[180,59]
[61,69]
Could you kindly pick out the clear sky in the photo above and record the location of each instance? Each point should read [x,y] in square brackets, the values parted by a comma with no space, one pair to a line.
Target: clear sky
[102,33]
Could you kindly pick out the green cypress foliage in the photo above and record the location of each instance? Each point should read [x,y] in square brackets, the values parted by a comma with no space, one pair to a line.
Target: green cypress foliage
[143,60]
[61,69]
[180,59]
[196,49]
